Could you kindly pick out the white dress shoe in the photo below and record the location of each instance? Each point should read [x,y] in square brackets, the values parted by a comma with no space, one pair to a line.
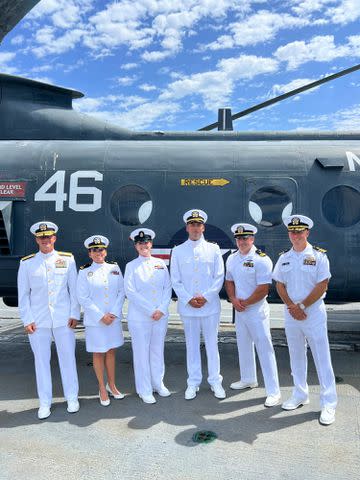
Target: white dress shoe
[117,396]
[163,391]
[44,412]
[73,406]
[272,400]
[292,403]
[240,385]
[104,403]
[218,390]
[147,398]
[327,416]
[191,392]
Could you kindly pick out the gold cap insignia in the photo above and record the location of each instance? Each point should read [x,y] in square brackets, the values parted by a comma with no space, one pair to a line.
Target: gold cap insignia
[97,241]
[43,227]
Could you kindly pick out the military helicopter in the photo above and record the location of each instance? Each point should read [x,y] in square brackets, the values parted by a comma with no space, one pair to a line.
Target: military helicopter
[91,177]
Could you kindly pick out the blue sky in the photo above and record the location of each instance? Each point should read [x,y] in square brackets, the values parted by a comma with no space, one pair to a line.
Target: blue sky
[169,65]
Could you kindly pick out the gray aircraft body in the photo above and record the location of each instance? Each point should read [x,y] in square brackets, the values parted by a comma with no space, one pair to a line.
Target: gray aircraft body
[90,177]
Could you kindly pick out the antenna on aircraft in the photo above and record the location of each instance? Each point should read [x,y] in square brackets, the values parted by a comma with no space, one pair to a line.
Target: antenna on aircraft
[279,98]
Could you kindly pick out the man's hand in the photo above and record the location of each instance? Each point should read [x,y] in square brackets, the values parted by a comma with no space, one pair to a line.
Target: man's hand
[29,329]
[72,323]
[157,315]
[296,312]
[198,301]
[108,318]
[239,304]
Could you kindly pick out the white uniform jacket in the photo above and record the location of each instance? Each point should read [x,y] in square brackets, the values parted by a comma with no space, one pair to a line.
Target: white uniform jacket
[47,289]
[197,267]
[147,287]
[249,271]
[301,271]
[100,290]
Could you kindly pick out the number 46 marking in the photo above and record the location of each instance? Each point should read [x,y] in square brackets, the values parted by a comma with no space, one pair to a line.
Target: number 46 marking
[60,197]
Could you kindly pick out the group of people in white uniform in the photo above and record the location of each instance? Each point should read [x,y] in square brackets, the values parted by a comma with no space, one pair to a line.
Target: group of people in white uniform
[51,293]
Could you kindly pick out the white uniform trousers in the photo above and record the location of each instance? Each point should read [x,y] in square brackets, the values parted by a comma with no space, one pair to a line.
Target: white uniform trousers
[313,331]
[209,327]
[147,340]
[253,330]
[40,342]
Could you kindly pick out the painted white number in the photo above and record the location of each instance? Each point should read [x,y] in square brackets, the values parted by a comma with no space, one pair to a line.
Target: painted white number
[75,190]
[60,197]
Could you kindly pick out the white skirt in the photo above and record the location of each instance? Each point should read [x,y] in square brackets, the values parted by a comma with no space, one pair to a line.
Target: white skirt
[101,339]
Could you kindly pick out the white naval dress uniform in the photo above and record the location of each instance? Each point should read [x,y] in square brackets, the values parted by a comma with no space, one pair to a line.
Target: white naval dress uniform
[47,297]
[197,268]
[253,325]
[100,290]
[148,288]
[300,272]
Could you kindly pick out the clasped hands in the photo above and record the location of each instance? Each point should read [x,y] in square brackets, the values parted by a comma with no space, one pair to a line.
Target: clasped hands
[239,304]
[296,312]
[108,318]
[198,301]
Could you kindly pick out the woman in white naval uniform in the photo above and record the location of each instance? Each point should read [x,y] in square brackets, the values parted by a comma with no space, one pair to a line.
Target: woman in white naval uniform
[49,309]
[148,289]
[100,291]
[302,274]
[247,281]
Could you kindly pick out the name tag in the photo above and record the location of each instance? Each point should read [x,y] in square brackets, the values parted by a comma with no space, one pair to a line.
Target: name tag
[158,267]
[285,263]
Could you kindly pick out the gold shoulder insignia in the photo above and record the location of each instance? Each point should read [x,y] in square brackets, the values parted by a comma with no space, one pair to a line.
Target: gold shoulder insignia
[87,265]
[65,254]
[28,256]
[112,262]
[284,251]
[319,249]
[259,252]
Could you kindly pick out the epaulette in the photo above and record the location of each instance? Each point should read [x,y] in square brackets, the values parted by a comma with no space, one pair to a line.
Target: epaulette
[65,254]
[284,251]
[111,262]
[260,252]
[28,256]
[87,265]
[319,249]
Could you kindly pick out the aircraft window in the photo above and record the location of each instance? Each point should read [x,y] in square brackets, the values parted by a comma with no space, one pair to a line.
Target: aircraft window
[341,206]
[131,205]
[268,206]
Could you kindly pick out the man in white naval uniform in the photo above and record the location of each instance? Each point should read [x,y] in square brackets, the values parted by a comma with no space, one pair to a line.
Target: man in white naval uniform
[247,281]
[302,275]
[49,309]
[197,274]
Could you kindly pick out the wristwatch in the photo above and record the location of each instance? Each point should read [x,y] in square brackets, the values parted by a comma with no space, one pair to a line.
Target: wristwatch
[302,306]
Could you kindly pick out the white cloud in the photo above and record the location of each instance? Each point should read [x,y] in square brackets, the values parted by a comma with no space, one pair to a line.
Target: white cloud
[18,40]
[5,58]
[258,28]
[215,87]
[306,7]
[345,119]
[50,44]
[279,89]
[348,11]
[146,87]
[319,49]
[127,80]
[129,66]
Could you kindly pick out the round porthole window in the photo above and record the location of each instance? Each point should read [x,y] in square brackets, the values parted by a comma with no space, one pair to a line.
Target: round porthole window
[268,206]
[341,206]
[131,205]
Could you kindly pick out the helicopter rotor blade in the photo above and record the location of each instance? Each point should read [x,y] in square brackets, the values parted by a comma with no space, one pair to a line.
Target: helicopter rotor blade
[279,98]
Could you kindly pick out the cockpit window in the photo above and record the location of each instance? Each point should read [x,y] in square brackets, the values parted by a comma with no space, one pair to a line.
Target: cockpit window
[268,206]
[341,206]
[131,205]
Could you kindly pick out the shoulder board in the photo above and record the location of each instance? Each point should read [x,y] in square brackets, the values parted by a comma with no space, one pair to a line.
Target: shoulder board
[87,265]
[259,252]
[65,254]
[319,249]
[28,256]
[111,262]
[284,251]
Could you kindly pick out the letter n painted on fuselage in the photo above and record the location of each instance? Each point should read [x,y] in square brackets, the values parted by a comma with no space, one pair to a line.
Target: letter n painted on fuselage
[352,159]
